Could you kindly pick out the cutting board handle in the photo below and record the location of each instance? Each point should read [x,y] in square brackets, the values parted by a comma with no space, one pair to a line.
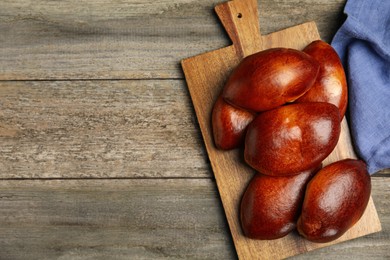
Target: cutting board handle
[241,21]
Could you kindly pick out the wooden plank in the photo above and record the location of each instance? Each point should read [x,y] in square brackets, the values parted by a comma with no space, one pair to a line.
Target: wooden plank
[99,129]
[140,219]
[383,173]
[205,75]
[104,39]
[115,219]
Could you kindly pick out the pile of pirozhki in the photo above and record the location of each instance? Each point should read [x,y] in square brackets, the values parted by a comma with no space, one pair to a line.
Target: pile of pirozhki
[284,107]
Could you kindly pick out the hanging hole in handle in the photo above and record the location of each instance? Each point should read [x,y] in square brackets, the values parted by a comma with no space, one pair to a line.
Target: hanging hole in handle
[239,15]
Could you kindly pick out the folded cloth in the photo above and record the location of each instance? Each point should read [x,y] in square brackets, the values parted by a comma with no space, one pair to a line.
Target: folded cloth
[363,44]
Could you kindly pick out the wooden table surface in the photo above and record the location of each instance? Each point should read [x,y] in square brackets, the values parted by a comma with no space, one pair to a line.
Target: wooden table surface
[101,155]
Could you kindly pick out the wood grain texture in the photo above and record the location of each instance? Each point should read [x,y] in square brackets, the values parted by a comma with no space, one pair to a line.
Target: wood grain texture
[99,129]
[140,219]
[383,173]
[165,204]
[104,39]
[112,219]
[205,76]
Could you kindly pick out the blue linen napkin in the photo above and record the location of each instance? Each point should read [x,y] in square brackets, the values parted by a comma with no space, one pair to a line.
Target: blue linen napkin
[363,44]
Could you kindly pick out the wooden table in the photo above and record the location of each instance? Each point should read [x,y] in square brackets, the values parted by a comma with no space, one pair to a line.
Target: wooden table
[101,156]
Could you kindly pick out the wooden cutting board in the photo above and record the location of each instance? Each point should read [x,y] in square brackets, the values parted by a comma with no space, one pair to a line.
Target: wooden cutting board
[206,75]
